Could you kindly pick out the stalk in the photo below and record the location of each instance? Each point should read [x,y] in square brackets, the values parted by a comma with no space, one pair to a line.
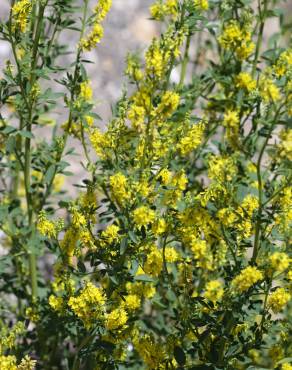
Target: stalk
[262,16]
[27,152]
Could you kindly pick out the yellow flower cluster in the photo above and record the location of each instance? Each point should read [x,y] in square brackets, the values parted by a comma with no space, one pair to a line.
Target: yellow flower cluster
[268,90]
[168,105]
[89,304]
[231,122]
[155,60]
[246,279]
[116,319]
[46,227]
[278,300]
[136,115]
[119,186]
[202,254]
[86,91]
[94,37]
[154,262]
[221,168]
[237,39]
[100,142]
[143,216]
[20,12]
[284,63]
[245,81]
[286,367]
[159,227]
[27,364]
[191,139]
[159,10]
[201,4]
[110,235]
[57,303]
[10,363]
[151,352]
[284,217]
[279,261]
[132,302]
[214,290]
[285,145]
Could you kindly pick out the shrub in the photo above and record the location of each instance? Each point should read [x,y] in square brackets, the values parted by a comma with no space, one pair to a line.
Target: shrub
[175,253]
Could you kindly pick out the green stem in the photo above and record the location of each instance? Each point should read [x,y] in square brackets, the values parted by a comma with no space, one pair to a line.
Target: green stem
[185,61]
[70,118]
[27,150]
[260,191]
[262,16]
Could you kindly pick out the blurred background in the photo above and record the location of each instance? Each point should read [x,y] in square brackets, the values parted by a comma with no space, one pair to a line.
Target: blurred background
[127,28]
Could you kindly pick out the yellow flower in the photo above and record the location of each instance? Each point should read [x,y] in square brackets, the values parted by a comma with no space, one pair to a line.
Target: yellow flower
[231,119]
[93,38]
[279,261]
[132,302]
[221,168]
[171,255]
[157,10]
[247,278]
[152,353]
[155,61]
[96,34]
[143,216]
[285,145]
[237,39]
[85,91]
[46,227]
[136,115]
[8,362]
[99,141]
[214,290]
[119,186]
[180,181]
[165,176]
[169,103]
[201,4]
[78,219]
[192,139]
[102,8]
[116,319]
[110,234]
[154,262]
[245,81]
[27,364]
[286,367]
[231,36]
[56,302]
[283,63]
[268,90]
[88,305]
[159,227]
[278,300]
[20,12]
[249,204]
[227,216]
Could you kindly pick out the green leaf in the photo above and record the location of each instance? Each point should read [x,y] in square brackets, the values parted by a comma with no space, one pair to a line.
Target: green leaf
[26,134]
[50,173]
[144,278]
[123,246]
[8,130]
